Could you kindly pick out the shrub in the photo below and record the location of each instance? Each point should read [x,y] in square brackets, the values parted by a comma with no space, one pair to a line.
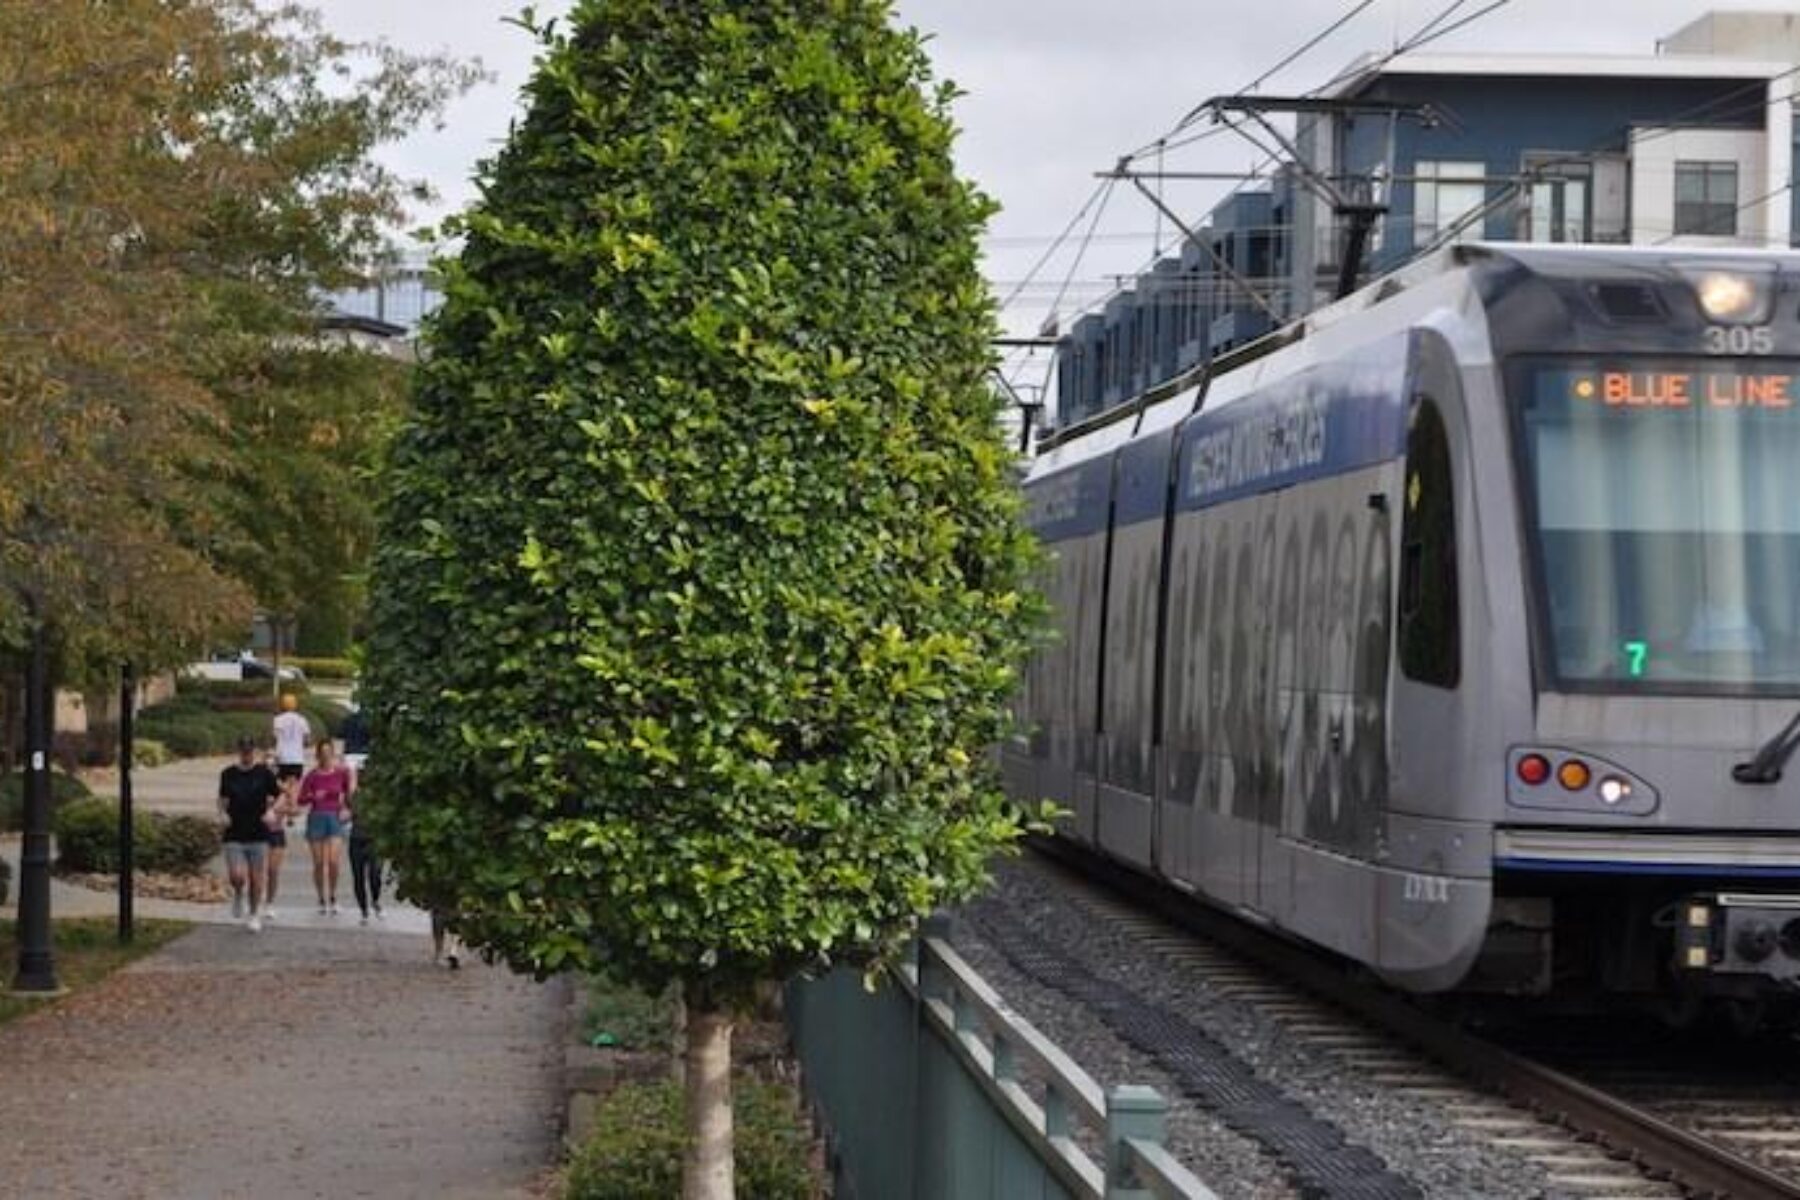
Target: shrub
[148,752]
[626,1016]
[243,689]
[63,789]
[323,668]
[634,1152]
[177,844]
[5,880]
[87,836]
[87,839]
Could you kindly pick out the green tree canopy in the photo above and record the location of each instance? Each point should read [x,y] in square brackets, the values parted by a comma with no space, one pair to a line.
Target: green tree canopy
[701,586]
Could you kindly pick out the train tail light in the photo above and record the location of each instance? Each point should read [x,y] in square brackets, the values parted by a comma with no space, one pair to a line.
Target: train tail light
[1533,769]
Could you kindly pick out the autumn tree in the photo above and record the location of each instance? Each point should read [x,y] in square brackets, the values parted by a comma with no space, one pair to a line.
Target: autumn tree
[177,183]
[700,587]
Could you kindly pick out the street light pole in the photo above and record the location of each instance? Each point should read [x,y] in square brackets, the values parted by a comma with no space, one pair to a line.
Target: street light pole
[37,959]
[127,881]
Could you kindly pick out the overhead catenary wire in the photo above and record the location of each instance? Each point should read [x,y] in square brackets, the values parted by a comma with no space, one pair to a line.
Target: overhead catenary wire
[1423,36]
[1429,32]
[1098,196]
[1194,113]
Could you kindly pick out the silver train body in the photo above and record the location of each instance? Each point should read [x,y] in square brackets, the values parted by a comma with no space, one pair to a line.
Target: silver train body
[1432,629]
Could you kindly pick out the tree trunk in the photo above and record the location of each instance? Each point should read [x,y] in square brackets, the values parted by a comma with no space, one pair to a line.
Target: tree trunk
[706,1166]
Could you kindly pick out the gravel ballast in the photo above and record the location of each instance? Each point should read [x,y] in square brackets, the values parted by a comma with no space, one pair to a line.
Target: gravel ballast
[1407,1135]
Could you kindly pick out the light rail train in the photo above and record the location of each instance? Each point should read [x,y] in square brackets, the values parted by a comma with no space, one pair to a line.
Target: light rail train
[1455,628]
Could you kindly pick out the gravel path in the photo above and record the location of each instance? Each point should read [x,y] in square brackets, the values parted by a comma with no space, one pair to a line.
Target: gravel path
[297,1063]
[1412,1137]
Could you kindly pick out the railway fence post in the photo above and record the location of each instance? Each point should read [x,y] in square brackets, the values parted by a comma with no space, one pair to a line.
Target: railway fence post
[1132,1113]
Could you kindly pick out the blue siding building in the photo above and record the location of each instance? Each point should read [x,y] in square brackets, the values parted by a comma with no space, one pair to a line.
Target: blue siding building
[1692,148]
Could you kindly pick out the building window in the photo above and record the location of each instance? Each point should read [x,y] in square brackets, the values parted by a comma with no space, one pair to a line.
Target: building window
[1706,198]
[1430,624]
[1444,193]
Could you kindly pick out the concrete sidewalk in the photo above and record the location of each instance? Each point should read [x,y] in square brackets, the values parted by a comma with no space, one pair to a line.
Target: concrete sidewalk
[298,1063]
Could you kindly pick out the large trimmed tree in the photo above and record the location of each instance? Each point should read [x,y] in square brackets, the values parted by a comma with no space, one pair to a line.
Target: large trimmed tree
[701,584]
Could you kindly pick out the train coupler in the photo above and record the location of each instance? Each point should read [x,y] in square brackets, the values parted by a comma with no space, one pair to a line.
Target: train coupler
[1739,933]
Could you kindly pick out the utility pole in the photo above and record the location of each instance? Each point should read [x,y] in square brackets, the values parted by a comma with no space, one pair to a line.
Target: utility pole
[37,957]
[127,880]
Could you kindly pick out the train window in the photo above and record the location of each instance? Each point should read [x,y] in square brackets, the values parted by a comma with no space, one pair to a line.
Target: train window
[1430,629]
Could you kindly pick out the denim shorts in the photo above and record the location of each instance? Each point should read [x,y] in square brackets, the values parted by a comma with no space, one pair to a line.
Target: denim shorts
[322,826]
[240,855]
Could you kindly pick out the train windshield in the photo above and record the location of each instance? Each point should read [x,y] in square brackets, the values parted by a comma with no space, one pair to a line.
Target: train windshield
[1665,496]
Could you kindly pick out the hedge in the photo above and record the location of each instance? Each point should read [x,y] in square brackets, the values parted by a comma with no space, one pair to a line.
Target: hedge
[87,839]
[634,1151]
[63,789]
[323,668]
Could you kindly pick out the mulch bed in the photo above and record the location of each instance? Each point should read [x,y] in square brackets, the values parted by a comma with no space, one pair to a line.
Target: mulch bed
[194,889]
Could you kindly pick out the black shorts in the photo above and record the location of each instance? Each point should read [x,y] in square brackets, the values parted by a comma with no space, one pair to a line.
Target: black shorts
[289,771]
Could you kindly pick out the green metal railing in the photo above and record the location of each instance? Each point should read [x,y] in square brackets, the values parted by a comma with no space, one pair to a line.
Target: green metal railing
[931,1088]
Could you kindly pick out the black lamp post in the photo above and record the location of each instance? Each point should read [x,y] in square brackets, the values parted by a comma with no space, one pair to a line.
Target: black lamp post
[127,881]
[37,957]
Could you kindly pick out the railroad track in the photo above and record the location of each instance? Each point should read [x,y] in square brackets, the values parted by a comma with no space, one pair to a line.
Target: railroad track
[1742,1094]
[1599,1124]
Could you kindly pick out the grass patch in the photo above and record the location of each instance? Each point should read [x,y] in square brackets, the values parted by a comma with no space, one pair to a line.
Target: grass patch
[87,951]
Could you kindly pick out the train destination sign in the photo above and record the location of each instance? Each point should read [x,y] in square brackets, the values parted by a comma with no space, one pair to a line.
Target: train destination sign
[1664,388]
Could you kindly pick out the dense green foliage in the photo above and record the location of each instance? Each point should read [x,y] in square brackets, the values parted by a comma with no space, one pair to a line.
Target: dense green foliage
[634,1151]
[87,839]
[701,586]
[63,789]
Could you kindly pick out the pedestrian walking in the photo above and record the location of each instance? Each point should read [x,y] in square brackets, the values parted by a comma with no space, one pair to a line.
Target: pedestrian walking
[325,794]
[292,734]
[247,794]
[446,947]
[365,870]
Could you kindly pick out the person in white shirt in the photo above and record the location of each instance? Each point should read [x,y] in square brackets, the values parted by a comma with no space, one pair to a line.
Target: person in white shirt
[292,737]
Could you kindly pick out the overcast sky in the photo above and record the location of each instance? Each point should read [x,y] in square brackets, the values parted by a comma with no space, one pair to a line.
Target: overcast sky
[1058,89]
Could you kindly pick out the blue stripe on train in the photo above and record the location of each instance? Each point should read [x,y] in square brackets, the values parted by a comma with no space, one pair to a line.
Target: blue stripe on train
[1328,420]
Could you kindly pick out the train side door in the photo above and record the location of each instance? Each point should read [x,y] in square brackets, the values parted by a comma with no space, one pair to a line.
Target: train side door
[1429,715]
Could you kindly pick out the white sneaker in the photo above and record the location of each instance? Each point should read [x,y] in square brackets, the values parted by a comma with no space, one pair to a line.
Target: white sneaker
[237,905]
[255,924]
[332,911]
[364,920]
[322,910]
[268,913]
[379,915]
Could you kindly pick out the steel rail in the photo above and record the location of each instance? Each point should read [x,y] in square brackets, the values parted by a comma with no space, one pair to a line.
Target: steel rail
[1700,1166]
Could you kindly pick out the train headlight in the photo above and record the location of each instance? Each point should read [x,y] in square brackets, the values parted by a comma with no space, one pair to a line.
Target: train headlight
[1736,296]
[1614,790]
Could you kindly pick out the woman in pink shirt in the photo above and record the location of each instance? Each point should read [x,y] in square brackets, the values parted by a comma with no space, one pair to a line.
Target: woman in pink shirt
[325,794]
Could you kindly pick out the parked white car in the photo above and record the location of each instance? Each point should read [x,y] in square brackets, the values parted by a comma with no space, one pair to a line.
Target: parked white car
[242,665]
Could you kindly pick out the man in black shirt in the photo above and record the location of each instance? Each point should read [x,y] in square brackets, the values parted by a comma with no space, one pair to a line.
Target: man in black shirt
[247,789]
